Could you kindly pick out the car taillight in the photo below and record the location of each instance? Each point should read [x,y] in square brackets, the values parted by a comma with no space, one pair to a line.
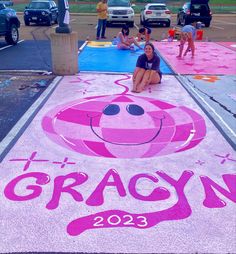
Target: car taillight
[168,12]
[210,13]
[148,12]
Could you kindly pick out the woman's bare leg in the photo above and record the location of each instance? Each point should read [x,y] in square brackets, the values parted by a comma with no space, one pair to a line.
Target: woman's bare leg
[144,82]
[123,46]
[132,40]
[192,46]
[138,79]
[155,79]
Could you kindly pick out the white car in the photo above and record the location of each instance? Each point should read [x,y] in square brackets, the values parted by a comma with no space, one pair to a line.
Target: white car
[120,11]
[155,13]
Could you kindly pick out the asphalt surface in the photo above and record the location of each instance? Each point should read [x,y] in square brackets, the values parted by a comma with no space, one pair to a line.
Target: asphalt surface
[222,28]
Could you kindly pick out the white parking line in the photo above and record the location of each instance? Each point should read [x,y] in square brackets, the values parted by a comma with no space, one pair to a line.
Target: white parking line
[8,46]
[224,22]
[136,26]
[218,27]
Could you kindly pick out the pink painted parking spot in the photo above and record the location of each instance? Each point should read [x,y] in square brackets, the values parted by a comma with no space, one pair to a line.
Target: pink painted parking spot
[109,171]
[210,58]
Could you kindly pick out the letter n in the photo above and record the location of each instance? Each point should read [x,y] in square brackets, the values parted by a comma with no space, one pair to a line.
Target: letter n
[211,199]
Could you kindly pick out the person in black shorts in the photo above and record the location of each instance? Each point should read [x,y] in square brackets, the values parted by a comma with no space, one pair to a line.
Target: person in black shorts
[147,69]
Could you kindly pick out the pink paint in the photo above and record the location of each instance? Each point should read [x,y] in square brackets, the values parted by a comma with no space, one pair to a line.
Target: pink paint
[198,64]
[139,127]
[97,197]
[211,199]
[119,218]
[59,188]
[41,179]
[159,193]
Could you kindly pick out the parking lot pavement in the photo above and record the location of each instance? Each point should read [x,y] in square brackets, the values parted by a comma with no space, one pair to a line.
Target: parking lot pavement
[28,55]
[89,167]
[18,91]
[102,170]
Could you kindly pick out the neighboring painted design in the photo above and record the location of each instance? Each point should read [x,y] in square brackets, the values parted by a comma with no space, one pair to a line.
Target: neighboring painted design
[124,126]
[221,59]
[211,79]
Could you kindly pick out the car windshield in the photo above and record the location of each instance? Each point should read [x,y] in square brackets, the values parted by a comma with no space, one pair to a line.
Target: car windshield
[156,8]
[39,5]
[202,8]
[123,3]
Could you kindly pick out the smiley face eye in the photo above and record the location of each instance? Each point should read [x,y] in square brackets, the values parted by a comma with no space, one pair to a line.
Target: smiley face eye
[135,110]
[111,110]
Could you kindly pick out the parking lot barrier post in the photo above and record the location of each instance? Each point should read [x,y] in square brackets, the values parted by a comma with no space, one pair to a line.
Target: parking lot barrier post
[64,47]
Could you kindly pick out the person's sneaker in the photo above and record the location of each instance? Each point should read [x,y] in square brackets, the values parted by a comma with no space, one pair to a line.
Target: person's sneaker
[97,38]
[104,37]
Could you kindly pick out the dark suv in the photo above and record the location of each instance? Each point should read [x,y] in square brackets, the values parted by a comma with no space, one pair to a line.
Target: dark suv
[9,24]
[41,12]
[196,10]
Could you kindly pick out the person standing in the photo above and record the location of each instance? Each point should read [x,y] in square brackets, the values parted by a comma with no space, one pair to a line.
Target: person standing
[102,19]
[188,34]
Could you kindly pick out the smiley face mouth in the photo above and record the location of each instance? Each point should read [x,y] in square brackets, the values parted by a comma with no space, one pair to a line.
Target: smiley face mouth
[127,144]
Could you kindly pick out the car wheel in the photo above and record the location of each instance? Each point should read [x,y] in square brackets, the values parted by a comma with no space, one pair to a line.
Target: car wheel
[141,22]
[145,23]
[27,23]
[49,22]
[108,24]
[186,22]
[207,24]
[178,21]
[56,20]
[12,36]
[131,24]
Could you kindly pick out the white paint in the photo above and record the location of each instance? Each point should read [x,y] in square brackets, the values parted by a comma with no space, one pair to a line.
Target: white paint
[28,114]
[8,46]
[225,22]
[218,27]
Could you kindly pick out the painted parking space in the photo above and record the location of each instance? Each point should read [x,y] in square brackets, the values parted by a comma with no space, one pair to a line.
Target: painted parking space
[217,96]
[107,58]
[210,58]
[230,45]
[106,168]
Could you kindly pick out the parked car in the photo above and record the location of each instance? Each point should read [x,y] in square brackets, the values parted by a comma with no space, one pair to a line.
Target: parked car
[41,12]
[196,10]
[155,13]
[7,3]
[9,24]
[120,11]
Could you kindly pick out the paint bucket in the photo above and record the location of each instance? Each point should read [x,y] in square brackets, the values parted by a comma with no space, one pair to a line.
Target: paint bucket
[199,35]
[171,33]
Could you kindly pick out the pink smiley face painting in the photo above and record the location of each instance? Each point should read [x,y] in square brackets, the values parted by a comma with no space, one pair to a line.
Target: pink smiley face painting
[124,126]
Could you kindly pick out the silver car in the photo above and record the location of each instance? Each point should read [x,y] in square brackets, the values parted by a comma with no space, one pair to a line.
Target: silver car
[120,11]
[155,13]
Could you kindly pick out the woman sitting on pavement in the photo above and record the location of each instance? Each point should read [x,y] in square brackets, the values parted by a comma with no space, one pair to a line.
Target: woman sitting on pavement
[147,69]
[124,41]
